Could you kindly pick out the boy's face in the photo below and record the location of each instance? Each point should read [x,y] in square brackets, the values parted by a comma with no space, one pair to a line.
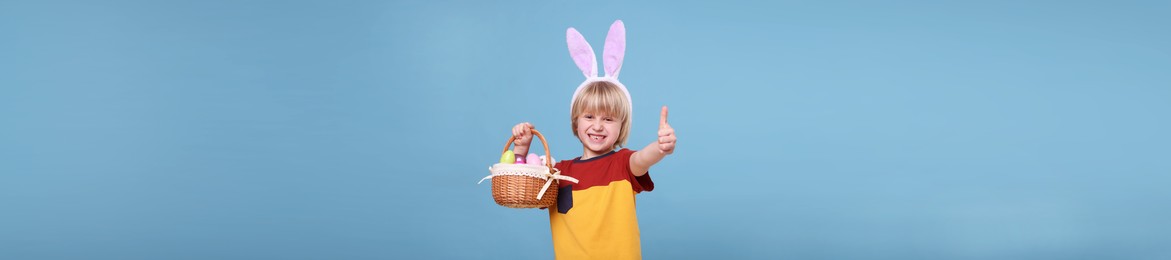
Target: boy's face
[597,131]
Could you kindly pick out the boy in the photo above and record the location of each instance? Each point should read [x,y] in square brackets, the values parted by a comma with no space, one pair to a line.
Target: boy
[595,218]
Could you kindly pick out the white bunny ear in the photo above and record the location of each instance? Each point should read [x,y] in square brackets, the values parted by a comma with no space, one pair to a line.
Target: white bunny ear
[615,49]
[582,53]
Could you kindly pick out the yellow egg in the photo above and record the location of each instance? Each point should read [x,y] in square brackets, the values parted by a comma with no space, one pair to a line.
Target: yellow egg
[508,157]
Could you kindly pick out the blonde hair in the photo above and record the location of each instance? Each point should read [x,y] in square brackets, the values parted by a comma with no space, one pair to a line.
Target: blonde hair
[603,97]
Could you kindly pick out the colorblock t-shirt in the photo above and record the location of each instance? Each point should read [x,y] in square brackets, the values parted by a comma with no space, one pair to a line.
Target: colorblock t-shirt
[595,218]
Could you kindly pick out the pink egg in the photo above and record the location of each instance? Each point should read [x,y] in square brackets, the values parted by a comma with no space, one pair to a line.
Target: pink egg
[533,159]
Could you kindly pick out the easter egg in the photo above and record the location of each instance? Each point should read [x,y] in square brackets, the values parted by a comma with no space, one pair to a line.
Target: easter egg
[507,157]
[520,160]
[533,159]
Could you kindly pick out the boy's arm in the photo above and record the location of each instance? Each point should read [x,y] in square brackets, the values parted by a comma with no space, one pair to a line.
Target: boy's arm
[642,160]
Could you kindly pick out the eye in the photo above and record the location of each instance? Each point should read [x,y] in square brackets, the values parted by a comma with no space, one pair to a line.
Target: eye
[588,116]
[609,119]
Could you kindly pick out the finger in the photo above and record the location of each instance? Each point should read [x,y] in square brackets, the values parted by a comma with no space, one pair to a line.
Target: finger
[666,140]
[667,149]
[666,132]
[663,117]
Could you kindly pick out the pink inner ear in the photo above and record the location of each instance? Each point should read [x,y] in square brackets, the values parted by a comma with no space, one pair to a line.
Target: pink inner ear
[582,53]
[615,49]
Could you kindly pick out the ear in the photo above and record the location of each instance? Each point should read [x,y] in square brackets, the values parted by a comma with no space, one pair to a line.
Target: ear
[582,53]
[615,49]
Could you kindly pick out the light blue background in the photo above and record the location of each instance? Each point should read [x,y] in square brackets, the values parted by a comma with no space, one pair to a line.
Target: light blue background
[807,130]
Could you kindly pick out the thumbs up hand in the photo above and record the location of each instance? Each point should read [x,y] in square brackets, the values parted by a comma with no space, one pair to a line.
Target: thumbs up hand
[642,160]
[666,134]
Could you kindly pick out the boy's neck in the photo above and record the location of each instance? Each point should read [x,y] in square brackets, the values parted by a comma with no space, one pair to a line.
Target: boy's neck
[587,154]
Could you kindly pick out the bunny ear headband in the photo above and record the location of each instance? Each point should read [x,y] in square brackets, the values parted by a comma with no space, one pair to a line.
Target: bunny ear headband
[612,55]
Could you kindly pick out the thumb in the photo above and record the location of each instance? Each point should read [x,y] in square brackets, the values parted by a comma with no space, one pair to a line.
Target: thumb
[663,117]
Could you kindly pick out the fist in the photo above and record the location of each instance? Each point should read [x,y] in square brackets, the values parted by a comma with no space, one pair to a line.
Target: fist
[522,134]
[666,134]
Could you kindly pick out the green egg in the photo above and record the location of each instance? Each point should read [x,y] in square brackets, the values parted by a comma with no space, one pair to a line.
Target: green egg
[508,157]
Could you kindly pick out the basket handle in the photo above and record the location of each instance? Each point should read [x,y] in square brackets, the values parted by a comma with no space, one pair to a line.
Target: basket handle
[548,157]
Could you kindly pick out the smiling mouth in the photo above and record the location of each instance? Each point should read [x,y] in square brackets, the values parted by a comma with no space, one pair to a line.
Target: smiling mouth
[596,138]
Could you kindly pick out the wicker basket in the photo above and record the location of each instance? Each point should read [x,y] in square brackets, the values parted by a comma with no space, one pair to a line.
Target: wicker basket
[524,185]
